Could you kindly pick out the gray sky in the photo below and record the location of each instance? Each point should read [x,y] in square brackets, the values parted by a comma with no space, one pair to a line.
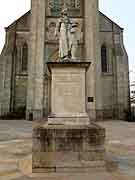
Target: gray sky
[122,12]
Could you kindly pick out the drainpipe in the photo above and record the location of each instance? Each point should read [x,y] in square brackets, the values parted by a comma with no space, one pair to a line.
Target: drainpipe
[13,72]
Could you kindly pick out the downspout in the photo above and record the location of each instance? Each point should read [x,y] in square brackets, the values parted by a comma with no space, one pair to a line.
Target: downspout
[13,72]
[115,109]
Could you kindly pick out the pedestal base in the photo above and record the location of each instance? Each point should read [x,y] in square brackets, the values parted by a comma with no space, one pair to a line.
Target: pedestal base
[66,148]
[66,119]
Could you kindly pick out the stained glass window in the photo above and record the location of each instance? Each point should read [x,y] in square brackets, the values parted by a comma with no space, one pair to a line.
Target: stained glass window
[56,4]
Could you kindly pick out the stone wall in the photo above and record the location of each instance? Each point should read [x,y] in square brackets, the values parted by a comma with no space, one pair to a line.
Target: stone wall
[123,79]
[13,82]
[6,60]
[115,83]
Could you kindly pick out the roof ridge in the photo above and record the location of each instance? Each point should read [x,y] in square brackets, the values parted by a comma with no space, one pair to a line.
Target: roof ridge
[30,10]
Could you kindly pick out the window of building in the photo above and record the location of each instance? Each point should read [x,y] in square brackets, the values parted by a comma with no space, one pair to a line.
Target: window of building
[24,57]
[104,58]
[75,3]
[56,5]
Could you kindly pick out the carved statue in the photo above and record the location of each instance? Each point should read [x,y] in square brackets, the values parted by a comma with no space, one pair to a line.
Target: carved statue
[74,40]
[66,31]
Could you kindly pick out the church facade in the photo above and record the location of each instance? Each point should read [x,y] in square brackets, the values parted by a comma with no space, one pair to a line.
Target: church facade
[25,79]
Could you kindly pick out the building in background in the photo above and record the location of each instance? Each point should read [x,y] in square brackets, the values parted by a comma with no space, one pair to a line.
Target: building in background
[110,92]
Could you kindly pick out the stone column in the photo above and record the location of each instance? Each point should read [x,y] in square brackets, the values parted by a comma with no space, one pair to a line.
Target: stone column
[92,51]
[36,60]
[97,49]
[2,68]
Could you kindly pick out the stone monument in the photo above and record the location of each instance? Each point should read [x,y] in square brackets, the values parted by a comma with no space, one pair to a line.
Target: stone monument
[67,32]
[67,141]
[68,91]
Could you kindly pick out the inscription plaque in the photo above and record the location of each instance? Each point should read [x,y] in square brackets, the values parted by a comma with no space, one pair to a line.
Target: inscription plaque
[68,91]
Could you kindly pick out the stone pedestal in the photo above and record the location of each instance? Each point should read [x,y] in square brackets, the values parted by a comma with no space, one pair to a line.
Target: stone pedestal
[68,142]
[68,93]
[65,148]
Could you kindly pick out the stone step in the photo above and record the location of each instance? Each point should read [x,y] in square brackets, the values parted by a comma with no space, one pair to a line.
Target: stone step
[92,175]
[8,170]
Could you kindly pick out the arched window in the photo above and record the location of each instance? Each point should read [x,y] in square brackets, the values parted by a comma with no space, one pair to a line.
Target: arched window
[56,5]
[104,58]
[24,57]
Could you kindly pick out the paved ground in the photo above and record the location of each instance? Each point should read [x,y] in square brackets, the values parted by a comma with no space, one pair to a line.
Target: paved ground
[16,143]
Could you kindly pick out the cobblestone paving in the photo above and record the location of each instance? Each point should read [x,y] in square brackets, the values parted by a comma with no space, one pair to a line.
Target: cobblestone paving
[16,144]
[120,146]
